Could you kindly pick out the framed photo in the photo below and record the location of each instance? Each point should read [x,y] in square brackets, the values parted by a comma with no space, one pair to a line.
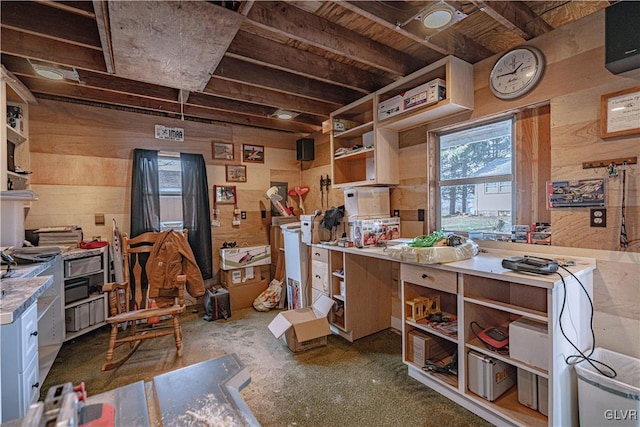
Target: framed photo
[576,193]
[253,153]
[225,194]
[620,113]
[222,150]
[236,173]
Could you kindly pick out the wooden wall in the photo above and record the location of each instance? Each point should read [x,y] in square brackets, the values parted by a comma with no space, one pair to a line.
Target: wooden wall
[81,160]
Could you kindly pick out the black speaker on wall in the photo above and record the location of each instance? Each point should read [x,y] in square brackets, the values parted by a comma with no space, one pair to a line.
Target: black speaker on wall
[305,149]
[622,38]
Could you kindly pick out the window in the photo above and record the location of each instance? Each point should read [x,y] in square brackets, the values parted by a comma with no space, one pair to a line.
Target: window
[475,177]
[170,178]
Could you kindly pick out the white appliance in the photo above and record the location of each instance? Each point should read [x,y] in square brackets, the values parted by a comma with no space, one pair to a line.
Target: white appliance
[296,266]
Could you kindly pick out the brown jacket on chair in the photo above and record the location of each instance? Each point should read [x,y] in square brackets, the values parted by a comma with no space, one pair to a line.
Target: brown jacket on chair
[170,257]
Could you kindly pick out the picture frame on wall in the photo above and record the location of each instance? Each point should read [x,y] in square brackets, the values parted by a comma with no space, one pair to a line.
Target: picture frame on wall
[253,153]
[236,173]
[620,113]
[225,194]
[222,150]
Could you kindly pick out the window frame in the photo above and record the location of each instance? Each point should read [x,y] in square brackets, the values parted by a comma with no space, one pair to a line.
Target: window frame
[439,183]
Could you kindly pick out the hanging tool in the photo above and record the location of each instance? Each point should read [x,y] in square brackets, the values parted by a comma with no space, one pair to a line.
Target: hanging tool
[299,191]
[215,222]
[624,239]
[236,211]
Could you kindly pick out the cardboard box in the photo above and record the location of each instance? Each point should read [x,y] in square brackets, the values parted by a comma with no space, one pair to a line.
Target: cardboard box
[529,342]
[304,328]
[242,295]
[246,256]
[366,202]
[421,347]
[390,107]
[370,232]
[428,93]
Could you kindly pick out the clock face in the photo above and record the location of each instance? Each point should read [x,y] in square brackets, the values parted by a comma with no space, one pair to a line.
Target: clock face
[516,72]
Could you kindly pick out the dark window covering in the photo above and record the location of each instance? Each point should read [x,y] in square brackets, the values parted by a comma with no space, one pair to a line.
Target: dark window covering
[145,192]
[195,210]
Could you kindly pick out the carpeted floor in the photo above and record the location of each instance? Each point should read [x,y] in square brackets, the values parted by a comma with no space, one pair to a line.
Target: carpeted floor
[356,384]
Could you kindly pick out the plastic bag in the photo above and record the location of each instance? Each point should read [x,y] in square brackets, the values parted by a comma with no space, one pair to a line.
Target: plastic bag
[270,297]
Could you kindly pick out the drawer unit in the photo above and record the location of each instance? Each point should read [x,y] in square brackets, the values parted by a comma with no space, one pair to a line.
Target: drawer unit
[446,281]
[320,254]
[82,266]
[29,322]
[29,385]
[320,276]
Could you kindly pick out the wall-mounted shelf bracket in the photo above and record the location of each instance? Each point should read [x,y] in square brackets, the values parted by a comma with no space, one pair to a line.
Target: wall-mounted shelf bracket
[605,163]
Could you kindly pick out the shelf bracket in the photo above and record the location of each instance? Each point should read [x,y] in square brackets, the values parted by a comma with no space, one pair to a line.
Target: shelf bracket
[605,163]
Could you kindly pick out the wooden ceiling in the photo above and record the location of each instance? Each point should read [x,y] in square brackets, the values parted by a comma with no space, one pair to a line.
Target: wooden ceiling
[239,61]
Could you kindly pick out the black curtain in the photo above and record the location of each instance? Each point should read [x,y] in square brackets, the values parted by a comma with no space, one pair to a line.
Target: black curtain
[195,210]
[145,192]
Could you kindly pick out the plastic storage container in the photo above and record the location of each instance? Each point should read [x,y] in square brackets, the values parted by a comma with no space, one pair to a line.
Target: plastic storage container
[604,401]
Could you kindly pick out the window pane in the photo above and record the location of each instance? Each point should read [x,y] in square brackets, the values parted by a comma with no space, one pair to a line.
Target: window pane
[470,208]
[170,176]
[480,151]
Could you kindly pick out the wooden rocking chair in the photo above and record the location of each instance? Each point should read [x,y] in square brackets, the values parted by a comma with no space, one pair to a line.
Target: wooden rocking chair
[131,315]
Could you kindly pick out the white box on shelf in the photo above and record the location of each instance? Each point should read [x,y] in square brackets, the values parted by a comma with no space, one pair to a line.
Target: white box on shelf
[425,94]
[543,395]
[366,202]
[239,257]
[529,342]
[78,317]
[390,107]
[369,232]
[368,139]
[527,389]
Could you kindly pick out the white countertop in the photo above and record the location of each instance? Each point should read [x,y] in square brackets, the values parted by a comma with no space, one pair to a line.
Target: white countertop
[488,263]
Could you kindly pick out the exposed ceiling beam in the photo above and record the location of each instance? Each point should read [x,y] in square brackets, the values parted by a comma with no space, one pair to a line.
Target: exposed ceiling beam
[357,7]
[83,8]
[48,50]
[289,21]
[269,78]
[516,16]
[266,52]
[242,92]
[39,19]
[104,29]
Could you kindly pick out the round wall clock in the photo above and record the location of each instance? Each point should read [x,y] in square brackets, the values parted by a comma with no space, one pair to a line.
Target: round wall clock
[516,72]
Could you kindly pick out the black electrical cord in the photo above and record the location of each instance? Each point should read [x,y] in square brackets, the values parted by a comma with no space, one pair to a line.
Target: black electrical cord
[574,359]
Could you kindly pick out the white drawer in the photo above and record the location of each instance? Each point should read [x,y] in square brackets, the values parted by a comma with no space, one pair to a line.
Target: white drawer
[29,382]
[29,339]
[82,266]
[441,280]
[320,254]
[320,276]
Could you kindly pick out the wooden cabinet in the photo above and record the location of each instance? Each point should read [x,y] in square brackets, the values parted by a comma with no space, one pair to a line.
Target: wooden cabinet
[479,297]
[365,152]
[319,272]
[14,132]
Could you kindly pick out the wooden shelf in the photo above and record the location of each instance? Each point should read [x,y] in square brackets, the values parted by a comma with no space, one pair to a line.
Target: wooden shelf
[45,303]
[15,136]
[429,329]
[510,308]
[338,297]
[508,405]
[355,132]
[444,379]
[354,155]
[71,335]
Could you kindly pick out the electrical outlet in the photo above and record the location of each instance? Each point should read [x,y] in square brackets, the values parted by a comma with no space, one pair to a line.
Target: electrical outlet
[420,214]
[263,214]
[598,217]
[396,213]
[243,215]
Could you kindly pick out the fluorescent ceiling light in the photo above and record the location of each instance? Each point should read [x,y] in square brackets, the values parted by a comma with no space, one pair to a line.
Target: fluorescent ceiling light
[54,72]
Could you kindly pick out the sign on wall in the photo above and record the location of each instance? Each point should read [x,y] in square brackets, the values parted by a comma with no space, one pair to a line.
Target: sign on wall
[171,134]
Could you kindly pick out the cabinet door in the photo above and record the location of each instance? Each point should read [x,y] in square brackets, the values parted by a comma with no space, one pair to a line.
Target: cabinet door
[29,338]
[29,383]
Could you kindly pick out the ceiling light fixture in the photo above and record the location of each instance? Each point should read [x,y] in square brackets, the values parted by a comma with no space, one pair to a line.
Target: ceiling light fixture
[55,72]
[440,16]
[436,17]
[283,114]
[48,73]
